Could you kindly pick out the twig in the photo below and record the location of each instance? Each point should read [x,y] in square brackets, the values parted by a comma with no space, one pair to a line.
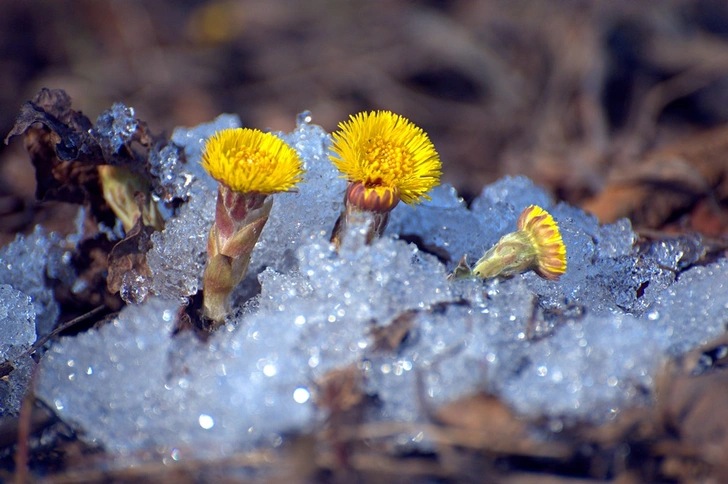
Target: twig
[63,327]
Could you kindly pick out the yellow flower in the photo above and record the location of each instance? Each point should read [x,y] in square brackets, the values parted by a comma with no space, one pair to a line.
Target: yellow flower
[536,245]
[546,239]
[248,160]
[391,157]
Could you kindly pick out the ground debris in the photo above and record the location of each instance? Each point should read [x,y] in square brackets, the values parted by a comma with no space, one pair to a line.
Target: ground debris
[687,179]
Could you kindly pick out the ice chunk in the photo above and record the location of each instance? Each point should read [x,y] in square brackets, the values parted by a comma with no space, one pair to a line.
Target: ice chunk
[17,327]
[677,253]
[110,382]
[179,252]
[14,387]
[509,196]
[444,226]
[693,310]
[114,127]
[178,164]
[23,265]
[587,370]
[169,166]
[311,210]
[17,322]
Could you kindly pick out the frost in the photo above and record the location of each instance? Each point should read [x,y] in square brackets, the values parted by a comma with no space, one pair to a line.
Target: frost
[114,128]
[30,261]
[17,326]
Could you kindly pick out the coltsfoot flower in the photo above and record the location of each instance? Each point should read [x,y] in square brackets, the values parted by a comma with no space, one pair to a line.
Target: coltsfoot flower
[386,159]
[536,245]
[249,165]
[248,160]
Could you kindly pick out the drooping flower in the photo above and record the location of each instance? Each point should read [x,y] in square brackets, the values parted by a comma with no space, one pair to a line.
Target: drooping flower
[546,238]
[250,161]
[536,245]
[249,166]
[391,158]
[386,159]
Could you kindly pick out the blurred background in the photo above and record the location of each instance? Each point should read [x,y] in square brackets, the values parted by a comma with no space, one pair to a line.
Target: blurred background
[566,92]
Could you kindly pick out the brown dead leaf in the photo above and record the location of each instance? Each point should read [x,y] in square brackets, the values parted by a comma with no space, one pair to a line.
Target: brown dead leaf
[62,151]
[482,413]
[668,182]
[129,256]
[69,130]
[340,390]
[694,412]
[390,337]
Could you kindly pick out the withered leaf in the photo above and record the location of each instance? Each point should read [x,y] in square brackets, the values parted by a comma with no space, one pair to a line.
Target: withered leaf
[62,150]
[130,256]
[390,337]
[340,390]
[484,413]
[695,409]
[70,130]
[667,182]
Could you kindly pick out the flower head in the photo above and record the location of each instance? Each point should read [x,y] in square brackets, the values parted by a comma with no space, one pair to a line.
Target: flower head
[248,160]
[536,245]
[391,158]
[546,238]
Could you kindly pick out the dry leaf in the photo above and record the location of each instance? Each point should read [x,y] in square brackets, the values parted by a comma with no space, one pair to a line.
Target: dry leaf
[129,256]
[340,390]
[667,183]
[390,337]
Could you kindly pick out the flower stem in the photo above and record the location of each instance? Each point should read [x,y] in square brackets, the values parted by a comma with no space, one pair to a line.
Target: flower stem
[239,221]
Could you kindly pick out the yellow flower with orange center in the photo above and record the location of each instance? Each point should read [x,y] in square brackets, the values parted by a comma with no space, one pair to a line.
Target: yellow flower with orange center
[250,161]
[388,156]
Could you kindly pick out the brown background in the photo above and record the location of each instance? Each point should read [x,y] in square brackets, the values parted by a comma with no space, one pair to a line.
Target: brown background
[565,92]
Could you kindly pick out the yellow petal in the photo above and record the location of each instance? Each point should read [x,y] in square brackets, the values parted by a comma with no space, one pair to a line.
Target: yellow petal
[248,160]
[383,149]
[544,232]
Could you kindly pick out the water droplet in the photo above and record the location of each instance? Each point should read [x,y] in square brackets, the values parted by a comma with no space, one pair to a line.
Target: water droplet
[270,370]
[206,421]
[303,119]
[301,395]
